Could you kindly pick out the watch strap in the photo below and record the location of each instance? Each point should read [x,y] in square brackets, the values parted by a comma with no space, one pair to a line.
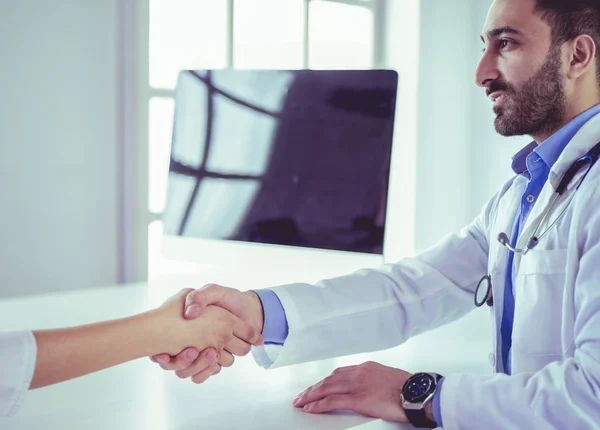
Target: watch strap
[418,419]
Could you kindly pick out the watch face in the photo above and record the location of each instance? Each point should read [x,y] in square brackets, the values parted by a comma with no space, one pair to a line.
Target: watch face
[418,387]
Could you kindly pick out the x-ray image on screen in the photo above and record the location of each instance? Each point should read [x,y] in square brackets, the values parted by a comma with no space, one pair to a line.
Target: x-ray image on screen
[297,158]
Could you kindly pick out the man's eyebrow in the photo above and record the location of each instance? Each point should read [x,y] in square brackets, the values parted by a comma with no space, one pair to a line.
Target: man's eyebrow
[495,32]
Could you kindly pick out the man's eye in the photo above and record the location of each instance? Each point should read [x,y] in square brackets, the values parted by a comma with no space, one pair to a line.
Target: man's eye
[504,43]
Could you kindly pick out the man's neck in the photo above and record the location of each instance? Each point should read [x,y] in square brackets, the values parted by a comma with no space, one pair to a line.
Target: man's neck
[571,112]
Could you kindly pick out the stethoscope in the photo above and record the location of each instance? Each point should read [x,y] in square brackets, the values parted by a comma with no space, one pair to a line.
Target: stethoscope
[483,292]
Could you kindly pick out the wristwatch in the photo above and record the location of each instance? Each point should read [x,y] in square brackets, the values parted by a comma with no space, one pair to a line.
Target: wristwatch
[417,391]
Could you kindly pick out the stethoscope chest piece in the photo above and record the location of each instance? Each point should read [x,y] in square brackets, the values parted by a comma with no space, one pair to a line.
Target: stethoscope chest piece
[483,293]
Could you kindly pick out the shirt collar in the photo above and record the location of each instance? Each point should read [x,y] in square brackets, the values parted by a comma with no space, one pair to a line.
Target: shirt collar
[550,149]
[519,160]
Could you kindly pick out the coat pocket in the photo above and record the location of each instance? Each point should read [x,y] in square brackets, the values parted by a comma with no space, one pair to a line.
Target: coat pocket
[539,293]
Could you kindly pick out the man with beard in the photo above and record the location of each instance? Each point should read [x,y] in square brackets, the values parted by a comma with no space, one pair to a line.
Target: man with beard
[538,239]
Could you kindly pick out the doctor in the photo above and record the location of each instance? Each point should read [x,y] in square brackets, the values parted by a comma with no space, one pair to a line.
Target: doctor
[540,69]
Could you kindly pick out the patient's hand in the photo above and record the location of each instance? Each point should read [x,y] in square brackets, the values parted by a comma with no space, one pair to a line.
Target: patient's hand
[218,333]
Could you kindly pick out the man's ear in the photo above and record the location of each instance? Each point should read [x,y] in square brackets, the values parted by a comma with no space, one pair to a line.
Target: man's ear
[582,56]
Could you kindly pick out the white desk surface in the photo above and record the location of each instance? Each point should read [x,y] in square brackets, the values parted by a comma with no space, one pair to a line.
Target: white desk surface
[141,396]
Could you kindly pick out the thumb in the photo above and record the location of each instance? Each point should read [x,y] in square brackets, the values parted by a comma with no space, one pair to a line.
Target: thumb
[197,300]
[161,358]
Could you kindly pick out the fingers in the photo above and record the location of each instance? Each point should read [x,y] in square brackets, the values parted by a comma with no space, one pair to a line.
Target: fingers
[205,361]
[197,300]
[329,386]
[162,359]
[345,369]
[226,359]
[332,393]
[247,333]
[238,347]
[207,358]
[207,373]
[181,361]
[332,403]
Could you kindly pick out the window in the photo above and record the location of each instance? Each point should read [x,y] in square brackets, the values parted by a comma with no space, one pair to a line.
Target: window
[264,34]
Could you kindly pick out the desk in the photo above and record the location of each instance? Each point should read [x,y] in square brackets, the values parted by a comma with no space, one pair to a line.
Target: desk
[140,396]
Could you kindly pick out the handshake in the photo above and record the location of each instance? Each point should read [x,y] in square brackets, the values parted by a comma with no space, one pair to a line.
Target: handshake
[202,330]
[196,333]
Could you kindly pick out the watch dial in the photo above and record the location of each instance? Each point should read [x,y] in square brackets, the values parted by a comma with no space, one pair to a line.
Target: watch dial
[418,387]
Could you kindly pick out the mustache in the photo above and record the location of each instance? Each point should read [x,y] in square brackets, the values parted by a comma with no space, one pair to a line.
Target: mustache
[498,86]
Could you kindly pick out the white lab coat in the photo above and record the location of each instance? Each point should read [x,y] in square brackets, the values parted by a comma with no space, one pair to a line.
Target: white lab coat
[556,339]
[18,352]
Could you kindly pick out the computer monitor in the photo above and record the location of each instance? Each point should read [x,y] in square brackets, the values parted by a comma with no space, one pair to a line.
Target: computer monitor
[278,165]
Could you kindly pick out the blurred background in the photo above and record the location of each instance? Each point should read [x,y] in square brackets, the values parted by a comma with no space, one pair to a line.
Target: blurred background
[87,105]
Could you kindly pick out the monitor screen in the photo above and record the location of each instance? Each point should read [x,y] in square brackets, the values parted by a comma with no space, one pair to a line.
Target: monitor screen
[296,158]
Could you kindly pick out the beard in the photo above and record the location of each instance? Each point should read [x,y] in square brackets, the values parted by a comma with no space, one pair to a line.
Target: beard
[537,106]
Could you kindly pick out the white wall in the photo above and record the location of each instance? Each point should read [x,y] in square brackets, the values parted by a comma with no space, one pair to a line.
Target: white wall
[444,115]
[401,52]
[58,137]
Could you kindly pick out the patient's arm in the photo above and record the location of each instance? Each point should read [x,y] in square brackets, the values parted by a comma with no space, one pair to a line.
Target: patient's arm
[68,353]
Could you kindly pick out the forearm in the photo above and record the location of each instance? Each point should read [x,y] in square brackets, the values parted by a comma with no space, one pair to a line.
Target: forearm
[68,353]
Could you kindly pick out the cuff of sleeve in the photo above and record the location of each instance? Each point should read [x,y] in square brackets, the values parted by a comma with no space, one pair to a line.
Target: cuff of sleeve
[21,349]
[436,404]
[449,400]
[275,327]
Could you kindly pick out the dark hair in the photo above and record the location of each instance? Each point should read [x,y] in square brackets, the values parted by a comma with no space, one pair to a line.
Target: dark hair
[571,18]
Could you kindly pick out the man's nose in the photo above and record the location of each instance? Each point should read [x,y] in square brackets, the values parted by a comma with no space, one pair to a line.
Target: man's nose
[487,70]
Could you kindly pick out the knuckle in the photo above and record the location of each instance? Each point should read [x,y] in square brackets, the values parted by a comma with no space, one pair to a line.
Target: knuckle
[365,368]
[326,386]
[193,295]
[210,287]
[330,379]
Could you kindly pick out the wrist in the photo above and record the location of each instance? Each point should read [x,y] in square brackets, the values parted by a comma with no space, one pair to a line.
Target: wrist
[155,332]
[257,310]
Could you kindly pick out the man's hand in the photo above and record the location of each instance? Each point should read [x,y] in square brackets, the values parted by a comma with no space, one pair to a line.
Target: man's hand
[370,389]
[245,305]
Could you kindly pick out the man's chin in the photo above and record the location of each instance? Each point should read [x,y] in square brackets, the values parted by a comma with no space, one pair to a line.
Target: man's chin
[504,128]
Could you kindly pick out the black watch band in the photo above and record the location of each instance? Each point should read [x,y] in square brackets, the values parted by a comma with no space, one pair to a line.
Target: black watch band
[418,419]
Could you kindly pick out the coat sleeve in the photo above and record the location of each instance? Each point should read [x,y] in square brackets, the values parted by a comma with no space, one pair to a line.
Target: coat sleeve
[18,352]
[376,309]
[562,395]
